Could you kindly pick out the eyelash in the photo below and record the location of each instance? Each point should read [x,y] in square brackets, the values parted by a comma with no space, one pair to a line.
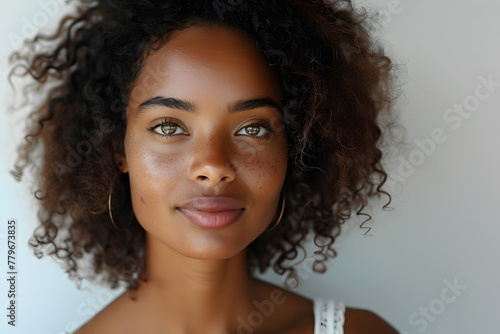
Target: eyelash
[260,123]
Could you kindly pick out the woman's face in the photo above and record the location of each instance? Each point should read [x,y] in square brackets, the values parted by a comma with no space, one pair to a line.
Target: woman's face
[214,150]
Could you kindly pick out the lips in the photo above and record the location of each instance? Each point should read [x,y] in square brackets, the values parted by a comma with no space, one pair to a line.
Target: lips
[212,220]
[212,212]
[213,204]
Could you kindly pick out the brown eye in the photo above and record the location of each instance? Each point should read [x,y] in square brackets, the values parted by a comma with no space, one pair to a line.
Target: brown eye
[167,129]
[252,130]
[255,130]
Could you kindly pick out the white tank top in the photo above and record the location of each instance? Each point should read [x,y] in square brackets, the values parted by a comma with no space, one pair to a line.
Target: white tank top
[329,316]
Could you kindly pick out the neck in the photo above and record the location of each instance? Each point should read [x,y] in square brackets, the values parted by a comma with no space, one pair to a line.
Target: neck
[196,295]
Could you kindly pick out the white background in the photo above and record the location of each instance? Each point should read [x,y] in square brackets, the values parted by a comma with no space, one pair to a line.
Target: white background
[444,228]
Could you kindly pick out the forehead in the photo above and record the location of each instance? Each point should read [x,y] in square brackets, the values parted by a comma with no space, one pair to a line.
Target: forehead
[207,58]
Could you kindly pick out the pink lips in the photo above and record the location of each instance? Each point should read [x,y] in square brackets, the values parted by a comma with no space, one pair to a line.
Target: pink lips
[212,212]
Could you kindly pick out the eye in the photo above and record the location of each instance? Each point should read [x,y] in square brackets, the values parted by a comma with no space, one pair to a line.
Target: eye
[255,129]
[166,128]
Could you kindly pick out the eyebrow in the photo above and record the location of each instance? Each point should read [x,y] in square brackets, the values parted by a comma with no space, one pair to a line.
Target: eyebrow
[241,105]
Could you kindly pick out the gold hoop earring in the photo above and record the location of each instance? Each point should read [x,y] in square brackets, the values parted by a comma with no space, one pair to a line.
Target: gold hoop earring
[281,214]
[110,214]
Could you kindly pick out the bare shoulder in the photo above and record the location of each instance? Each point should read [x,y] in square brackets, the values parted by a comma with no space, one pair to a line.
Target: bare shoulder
[108,320]
[359,321]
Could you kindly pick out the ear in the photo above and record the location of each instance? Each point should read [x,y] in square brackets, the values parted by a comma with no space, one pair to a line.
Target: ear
[121,162]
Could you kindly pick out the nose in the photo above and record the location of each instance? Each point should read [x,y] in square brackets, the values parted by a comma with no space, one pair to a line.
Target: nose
[211,162]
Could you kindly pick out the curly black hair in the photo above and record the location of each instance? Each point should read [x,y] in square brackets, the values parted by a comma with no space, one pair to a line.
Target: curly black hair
[338,90]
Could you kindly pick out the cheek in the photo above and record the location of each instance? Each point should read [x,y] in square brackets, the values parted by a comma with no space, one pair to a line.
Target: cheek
[268,174]
[265,173]
[267,157]
[270,171]
[152,174]
[273,161]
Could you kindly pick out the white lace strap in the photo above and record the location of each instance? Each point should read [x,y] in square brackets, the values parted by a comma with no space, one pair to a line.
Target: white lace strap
[329,316]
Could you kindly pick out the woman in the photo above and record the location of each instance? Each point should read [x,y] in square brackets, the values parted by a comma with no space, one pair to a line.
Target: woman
[186,143]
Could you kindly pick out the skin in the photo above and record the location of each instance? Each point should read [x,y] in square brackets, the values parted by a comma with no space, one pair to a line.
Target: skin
[197,280]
